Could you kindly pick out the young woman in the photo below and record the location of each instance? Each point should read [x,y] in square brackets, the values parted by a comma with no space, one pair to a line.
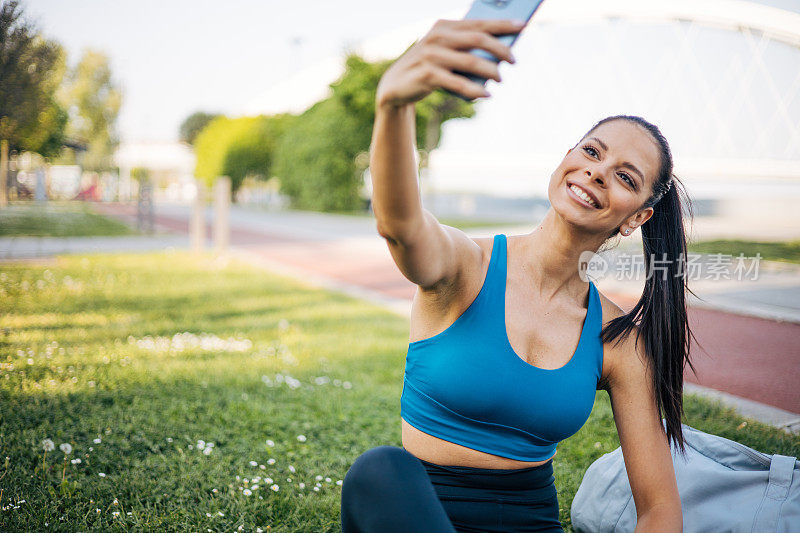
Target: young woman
[509,344]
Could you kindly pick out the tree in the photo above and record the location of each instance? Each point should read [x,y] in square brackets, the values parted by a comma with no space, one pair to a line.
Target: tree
[194,124]
[239,147]
[317,160]
[356,92]
[31,68]
[93,100]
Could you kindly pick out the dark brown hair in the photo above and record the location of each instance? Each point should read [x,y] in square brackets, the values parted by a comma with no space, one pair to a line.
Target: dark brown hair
[660,316]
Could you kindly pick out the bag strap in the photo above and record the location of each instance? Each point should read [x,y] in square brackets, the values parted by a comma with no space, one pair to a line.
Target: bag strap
[781,469]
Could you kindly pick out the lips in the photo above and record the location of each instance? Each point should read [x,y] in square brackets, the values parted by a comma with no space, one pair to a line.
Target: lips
[587,191]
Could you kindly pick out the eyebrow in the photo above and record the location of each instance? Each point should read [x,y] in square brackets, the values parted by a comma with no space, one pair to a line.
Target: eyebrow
[627,165]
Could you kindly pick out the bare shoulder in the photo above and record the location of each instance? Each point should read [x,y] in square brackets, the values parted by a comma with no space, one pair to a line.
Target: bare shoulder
[615,354]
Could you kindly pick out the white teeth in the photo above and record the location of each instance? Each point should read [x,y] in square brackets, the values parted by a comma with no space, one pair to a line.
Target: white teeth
[577,190]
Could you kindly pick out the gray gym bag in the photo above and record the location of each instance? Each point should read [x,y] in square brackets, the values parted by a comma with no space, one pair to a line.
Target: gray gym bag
[724,487]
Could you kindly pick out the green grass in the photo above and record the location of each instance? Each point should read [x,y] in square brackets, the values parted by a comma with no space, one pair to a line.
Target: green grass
[786,251]
[56,219]
[77,365]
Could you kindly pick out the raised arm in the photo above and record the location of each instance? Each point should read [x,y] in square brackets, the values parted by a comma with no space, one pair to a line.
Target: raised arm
[426,251]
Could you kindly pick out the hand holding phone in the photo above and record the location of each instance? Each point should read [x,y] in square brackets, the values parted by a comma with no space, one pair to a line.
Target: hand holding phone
[521,10]
[429,64]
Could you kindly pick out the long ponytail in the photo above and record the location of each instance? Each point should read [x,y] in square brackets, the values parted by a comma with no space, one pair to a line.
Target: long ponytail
[660,315]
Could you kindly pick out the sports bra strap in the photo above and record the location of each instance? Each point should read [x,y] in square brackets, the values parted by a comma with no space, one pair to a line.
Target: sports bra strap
[492,295]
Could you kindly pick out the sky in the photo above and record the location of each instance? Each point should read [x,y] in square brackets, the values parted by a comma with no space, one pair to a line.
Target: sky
[174,57]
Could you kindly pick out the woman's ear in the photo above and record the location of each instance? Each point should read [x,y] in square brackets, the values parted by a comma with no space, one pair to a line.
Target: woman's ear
[642,216]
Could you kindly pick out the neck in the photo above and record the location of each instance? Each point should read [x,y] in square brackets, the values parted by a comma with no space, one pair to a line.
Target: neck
[550,256]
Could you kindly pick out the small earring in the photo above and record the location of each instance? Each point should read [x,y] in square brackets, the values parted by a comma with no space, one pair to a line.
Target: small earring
[627,231]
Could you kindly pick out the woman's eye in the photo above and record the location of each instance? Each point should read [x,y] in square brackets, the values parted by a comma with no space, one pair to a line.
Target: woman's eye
[628,178]
[590,150]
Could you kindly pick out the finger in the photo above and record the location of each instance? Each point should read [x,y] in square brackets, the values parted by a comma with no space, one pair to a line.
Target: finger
[462,61]
[440,77]
[493,26]
[467,40]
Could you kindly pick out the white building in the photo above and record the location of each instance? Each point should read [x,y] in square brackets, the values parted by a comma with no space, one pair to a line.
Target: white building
[171,166]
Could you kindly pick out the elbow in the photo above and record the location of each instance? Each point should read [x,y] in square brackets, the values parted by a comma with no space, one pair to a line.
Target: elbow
[400,231]
[383,232]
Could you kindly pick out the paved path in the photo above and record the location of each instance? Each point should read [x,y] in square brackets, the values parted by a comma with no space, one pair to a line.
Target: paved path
[736,356]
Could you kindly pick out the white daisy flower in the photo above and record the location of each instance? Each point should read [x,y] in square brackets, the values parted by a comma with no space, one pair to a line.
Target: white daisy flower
[275,488]
[253,463]
[270,442]
[301,438]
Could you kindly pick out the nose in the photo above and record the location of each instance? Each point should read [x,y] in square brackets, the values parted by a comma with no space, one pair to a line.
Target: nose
[595,175]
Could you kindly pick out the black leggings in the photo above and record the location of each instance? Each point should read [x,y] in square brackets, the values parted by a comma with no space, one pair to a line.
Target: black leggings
[387,489]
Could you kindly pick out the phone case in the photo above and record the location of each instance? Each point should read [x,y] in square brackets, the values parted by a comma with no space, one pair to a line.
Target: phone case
[497,9]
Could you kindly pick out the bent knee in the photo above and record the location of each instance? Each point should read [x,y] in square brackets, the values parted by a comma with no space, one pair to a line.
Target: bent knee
[378,465]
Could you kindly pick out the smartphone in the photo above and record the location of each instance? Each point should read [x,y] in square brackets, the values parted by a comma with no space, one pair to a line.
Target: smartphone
[497,9]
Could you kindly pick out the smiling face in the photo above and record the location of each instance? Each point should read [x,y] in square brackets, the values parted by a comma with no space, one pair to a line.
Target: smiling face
[615,166]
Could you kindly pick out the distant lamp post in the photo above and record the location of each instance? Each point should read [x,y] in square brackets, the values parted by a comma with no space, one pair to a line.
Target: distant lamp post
[297,48]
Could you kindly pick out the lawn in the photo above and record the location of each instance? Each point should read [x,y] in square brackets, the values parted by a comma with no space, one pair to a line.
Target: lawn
[56,219]
[197,394]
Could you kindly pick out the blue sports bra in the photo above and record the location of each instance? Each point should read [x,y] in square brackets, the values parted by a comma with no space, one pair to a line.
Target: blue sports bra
[467,385]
